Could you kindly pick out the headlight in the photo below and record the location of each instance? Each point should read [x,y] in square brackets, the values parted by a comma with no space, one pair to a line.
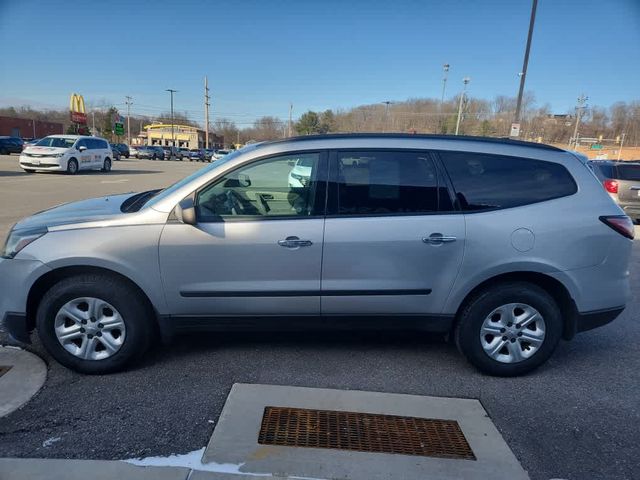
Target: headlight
[18,239]
[58,155]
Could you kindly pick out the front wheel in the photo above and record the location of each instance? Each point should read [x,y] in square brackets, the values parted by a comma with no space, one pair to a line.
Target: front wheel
[93,323]
[106,166]
[72,166]
[509,329]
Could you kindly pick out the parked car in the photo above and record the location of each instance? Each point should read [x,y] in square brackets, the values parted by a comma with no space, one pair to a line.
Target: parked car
[67,153]
[122,148]
[158,152]
[172,152]
[9,145]
[208,154]
[621,179]
[218,154]
[507,246]
[196,154]
[115,152]
[144,151]
[184,152]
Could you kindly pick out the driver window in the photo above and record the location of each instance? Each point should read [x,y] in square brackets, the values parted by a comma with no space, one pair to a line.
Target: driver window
[277,187]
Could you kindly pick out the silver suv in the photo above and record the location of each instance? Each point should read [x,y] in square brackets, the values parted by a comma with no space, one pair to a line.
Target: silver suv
[508,246]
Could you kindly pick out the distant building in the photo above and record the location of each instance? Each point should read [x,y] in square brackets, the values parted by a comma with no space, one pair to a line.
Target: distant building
[185,136]
[27,128]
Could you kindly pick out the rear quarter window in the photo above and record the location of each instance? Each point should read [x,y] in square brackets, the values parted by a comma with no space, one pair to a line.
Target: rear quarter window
[488,182]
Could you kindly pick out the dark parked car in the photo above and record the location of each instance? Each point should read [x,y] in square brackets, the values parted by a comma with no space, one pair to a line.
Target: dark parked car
[622,181]
[197,154]
[172,152]
[10,145]
[123,148]
[115,151]
[158,152]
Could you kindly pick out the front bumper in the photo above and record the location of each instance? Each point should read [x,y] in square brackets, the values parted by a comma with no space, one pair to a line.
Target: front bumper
[41,163]
[17,276]
[15,324]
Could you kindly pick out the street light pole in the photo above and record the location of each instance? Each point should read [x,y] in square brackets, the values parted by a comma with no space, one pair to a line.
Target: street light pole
[579,108]
[128,102]
[173,136]
[465,81]
[445,69]
[386,115]
[525,64]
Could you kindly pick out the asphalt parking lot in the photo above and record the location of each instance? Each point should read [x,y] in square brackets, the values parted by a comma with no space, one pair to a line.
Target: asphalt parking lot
[576,417]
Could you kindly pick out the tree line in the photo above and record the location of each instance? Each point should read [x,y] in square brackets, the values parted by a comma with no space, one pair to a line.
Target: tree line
[418,115]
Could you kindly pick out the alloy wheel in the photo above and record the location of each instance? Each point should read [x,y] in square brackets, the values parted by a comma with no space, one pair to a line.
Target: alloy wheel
[90,328]
[512,333]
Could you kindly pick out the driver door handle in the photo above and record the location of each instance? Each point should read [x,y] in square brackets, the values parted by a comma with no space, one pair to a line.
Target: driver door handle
[294,242]
[439,239]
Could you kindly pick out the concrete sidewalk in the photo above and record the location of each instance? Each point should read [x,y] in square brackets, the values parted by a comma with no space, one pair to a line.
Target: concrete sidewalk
[25,376]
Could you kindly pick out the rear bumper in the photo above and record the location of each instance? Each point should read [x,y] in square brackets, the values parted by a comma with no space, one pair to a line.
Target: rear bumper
[590,320]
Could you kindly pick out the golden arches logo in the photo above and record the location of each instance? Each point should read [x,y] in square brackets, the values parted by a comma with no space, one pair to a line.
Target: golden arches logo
[77,103]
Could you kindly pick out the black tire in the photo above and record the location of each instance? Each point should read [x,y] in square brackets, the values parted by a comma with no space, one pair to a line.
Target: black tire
[132,308]
[72,166]
[106,166]
[477,308]
[126,155]
[4,151]
[29,170]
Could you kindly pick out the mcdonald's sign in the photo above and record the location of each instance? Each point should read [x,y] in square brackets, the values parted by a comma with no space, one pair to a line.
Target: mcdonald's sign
[76,107]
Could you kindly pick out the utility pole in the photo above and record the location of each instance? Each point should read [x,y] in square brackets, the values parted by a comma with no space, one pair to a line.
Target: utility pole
[582,99]
[206,113]
[445,74]
[465,81]
[93,121]
[523,75]
[173,136]
[290,114]
[129,103]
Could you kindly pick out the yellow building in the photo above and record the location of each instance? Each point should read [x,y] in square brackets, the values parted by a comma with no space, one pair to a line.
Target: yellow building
[185,136]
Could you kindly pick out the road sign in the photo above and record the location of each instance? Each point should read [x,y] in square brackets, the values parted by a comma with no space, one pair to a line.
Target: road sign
[515,130]
[596,146]
[119,128]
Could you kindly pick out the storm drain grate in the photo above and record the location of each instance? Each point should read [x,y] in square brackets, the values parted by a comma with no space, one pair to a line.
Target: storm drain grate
[363,432]
[4,369]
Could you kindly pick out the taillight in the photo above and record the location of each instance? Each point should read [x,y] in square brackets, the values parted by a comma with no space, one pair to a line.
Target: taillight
[620,223]
[611,186]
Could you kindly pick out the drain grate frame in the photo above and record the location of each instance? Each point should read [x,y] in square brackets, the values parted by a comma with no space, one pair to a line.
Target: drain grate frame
[4,369]
[363,432]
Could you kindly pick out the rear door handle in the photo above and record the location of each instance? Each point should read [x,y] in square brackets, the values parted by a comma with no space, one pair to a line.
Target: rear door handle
[439,239]
[294,242]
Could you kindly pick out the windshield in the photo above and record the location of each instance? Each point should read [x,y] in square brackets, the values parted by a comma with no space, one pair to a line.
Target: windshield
[57,142]
[181,183]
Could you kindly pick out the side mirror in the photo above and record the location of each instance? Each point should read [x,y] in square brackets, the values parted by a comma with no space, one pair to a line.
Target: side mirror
[186,210]
[82,148]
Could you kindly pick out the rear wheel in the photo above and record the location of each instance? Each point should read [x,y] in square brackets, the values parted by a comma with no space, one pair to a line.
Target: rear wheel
[106,166]
[94,323]
[509,329]
[72,166]
[4,151]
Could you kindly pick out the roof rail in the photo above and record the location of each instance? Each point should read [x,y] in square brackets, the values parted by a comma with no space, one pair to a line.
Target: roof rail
[500,140]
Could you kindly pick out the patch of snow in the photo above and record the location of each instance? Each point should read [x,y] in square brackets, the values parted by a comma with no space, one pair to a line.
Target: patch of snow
[50,441]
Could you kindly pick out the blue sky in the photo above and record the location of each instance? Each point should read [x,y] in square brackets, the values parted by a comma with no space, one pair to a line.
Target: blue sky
[261,55]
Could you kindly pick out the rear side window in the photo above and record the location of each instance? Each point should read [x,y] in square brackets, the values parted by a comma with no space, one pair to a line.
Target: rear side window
[389,182]
[628,172]
[484,182]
